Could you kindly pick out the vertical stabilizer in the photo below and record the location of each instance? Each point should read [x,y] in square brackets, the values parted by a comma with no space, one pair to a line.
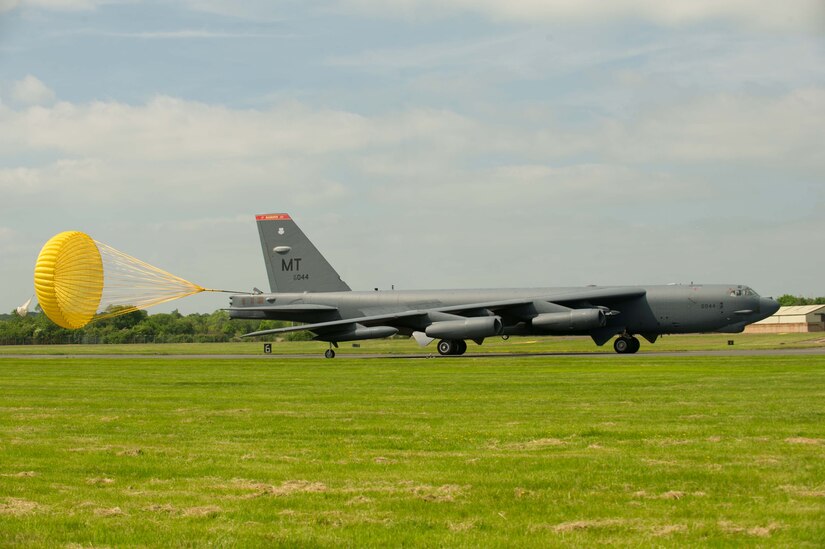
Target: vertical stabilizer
[293,263]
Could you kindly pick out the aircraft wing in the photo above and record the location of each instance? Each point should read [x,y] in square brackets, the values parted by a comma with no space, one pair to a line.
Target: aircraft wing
[363,320]
[575,298]
[296,308]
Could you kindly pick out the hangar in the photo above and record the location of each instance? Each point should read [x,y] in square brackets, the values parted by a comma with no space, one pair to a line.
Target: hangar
[799,319]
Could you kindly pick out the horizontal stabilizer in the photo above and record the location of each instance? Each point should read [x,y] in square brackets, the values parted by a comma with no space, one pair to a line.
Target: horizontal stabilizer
[249,307]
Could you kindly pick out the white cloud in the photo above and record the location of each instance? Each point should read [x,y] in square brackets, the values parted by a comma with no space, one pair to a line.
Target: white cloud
[728,127]
[485,51]
[180,147]
[13,246]
[790,14]
[808,14]
[65,5]
[258,10]
[174,129]
[7,234]
[8,5]
[180,34]
[438,178]
[31,91]
[20,180]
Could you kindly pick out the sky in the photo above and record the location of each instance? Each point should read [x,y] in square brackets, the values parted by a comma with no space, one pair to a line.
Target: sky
[420,143]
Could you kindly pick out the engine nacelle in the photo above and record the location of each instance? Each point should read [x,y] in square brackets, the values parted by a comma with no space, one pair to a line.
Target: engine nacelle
[469,328]
[576,320]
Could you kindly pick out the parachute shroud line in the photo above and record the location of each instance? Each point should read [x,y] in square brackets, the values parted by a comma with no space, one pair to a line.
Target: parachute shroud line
[78,279]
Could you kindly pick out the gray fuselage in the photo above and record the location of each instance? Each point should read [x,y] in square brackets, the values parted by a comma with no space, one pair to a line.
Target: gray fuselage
[306,289]
[668,309]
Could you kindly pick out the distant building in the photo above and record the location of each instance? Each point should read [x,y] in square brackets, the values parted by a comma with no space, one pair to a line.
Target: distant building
[800,318]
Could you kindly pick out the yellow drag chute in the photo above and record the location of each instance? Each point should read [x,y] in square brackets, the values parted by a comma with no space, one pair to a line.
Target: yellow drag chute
[68,279]
[78,279]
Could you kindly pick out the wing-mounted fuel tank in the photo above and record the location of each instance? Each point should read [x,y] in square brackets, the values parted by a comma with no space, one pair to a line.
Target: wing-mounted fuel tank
[357,332]
[574,320]
[468,328]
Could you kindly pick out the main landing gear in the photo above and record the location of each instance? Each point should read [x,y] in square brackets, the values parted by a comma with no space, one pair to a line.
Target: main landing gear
[626,344]
[452,347]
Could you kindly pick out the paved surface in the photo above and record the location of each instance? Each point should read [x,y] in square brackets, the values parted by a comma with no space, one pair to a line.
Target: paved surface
[343,355]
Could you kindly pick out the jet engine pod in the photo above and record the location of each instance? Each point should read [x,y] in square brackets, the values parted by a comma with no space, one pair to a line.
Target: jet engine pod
[469,328]
[575,320]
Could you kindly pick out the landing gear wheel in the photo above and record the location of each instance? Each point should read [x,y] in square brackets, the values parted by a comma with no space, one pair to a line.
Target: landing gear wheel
[446,347]
[461,347]
[626,345]
[329,353]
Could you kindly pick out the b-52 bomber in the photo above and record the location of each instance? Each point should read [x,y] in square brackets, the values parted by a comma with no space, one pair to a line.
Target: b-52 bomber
[306,289]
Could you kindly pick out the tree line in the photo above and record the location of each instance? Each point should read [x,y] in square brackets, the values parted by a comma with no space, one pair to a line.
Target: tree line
[137,327]
[788,300]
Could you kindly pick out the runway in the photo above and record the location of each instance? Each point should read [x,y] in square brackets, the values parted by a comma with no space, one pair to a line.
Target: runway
[816,351]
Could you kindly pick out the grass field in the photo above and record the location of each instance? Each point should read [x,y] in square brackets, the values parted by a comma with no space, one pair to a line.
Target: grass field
[408,346]
[535,451]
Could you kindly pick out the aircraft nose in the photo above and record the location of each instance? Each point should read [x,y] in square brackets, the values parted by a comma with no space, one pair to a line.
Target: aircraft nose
[768,306]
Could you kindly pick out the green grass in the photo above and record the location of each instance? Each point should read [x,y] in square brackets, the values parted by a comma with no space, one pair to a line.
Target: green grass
[537,451]
[408,346]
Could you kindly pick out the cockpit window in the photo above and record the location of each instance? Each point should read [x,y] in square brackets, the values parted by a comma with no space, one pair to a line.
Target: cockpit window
[738,292]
